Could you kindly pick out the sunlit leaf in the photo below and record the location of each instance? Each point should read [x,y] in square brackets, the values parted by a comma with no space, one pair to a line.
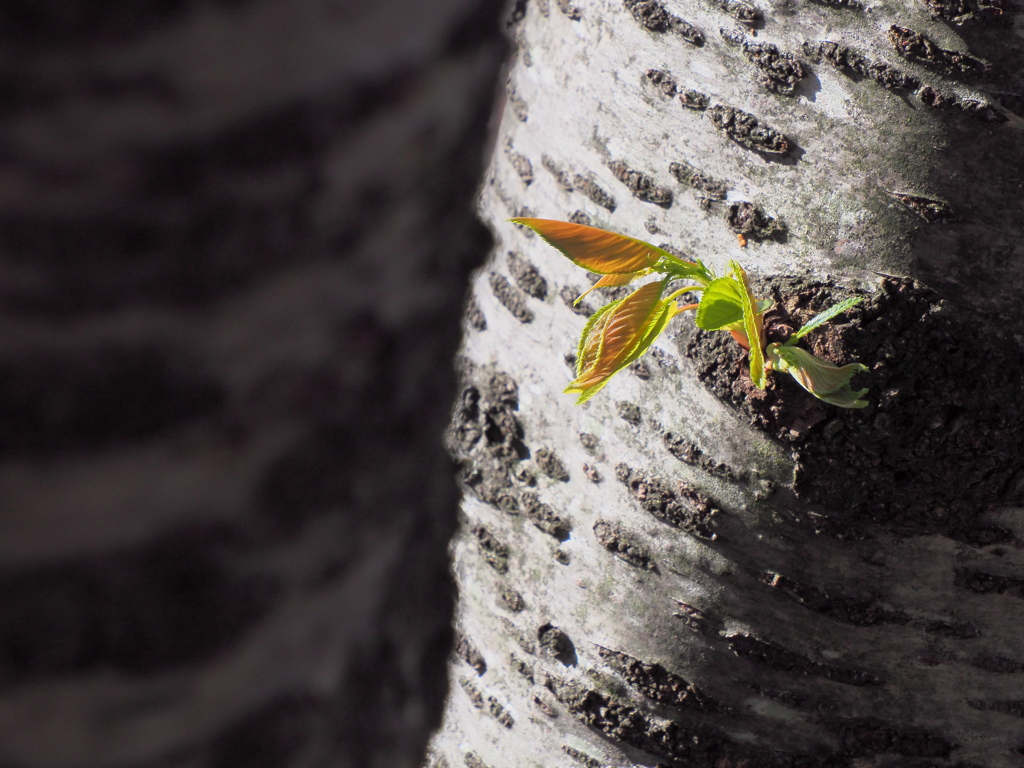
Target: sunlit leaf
[824,317]
[753,323]
[665,311]
[605,252]
[614,334]
[590,339]
[821,378]
[655,325]
[721,305]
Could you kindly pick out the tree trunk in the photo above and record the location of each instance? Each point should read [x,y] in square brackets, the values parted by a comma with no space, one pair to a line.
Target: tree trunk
[688,571]
[234,245]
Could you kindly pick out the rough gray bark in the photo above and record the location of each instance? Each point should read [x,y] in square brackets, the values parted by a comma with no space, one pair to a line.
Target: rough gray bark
[234,242]
[686,571]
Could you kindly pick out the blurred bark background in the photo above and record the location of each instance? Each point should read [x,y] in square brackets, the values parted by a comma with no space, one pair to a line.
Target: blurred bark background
[234,242]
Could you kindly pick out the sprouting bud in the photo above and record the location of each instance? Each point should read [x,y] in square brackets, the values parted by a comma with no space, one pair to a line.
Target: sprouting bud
[821,378]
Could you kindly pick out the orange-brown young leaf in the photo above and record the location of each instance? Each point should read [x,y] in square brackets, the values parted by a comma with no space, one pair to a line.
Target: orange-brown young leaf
[741,337]
[596,249]
[593,335]
[612,340]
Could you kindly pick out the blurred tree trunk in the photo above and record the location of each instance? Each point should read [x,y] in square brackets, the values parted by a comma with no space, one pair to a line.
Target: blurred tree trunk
[234,244]
[686,571]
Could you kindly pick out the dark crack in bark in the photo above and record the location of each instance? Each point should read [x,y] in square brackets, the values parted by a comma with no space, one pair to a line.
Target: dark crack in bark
[777,71]
[486,438]
[674,740]
[964,11]
[663,81]
[747,131]
[494,552]
[521,164]
[932,211]
[691,98]
[545,518]
[510,298]
[979,110]
[853,64]
[688,452]
[551,465]
[705,186]
[739,10]
[653,16]
[851,5]
[915,47]
[527,276]
[657,683]
[776,657]
[862,612]
[561,175]
[623,545]
[682,507]
[751,220]
[591,189]
[467,651]
[642,185]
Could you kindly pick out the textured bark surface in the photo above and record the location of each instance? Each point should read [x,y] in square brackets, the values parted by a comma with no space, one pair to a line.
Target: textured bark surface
[686,571]
[234,242]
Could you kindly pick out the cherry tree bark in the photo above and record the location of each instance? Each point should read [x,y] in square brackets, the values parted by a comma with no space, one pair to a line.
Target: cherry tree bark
[687,571]
[234,245]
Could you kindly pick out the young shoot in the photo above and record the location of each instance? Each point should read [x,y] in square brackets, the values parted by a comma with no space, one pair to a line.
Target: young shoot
[623,330]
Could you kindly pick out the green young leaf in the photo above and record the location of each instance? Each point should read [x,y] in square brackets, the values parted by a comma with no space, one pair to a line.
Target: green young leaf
[823,317]
[753,322]
[721,305]
[618,334]
[821,378]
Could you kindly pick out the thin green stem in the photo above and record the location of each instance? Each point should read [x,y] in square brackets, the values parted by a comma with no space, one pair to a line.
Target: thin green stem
[681,291]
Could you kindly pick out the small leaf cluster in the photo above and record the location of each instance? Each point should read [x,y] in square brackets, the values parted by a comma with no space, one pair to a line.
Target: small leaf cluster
[621,331]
